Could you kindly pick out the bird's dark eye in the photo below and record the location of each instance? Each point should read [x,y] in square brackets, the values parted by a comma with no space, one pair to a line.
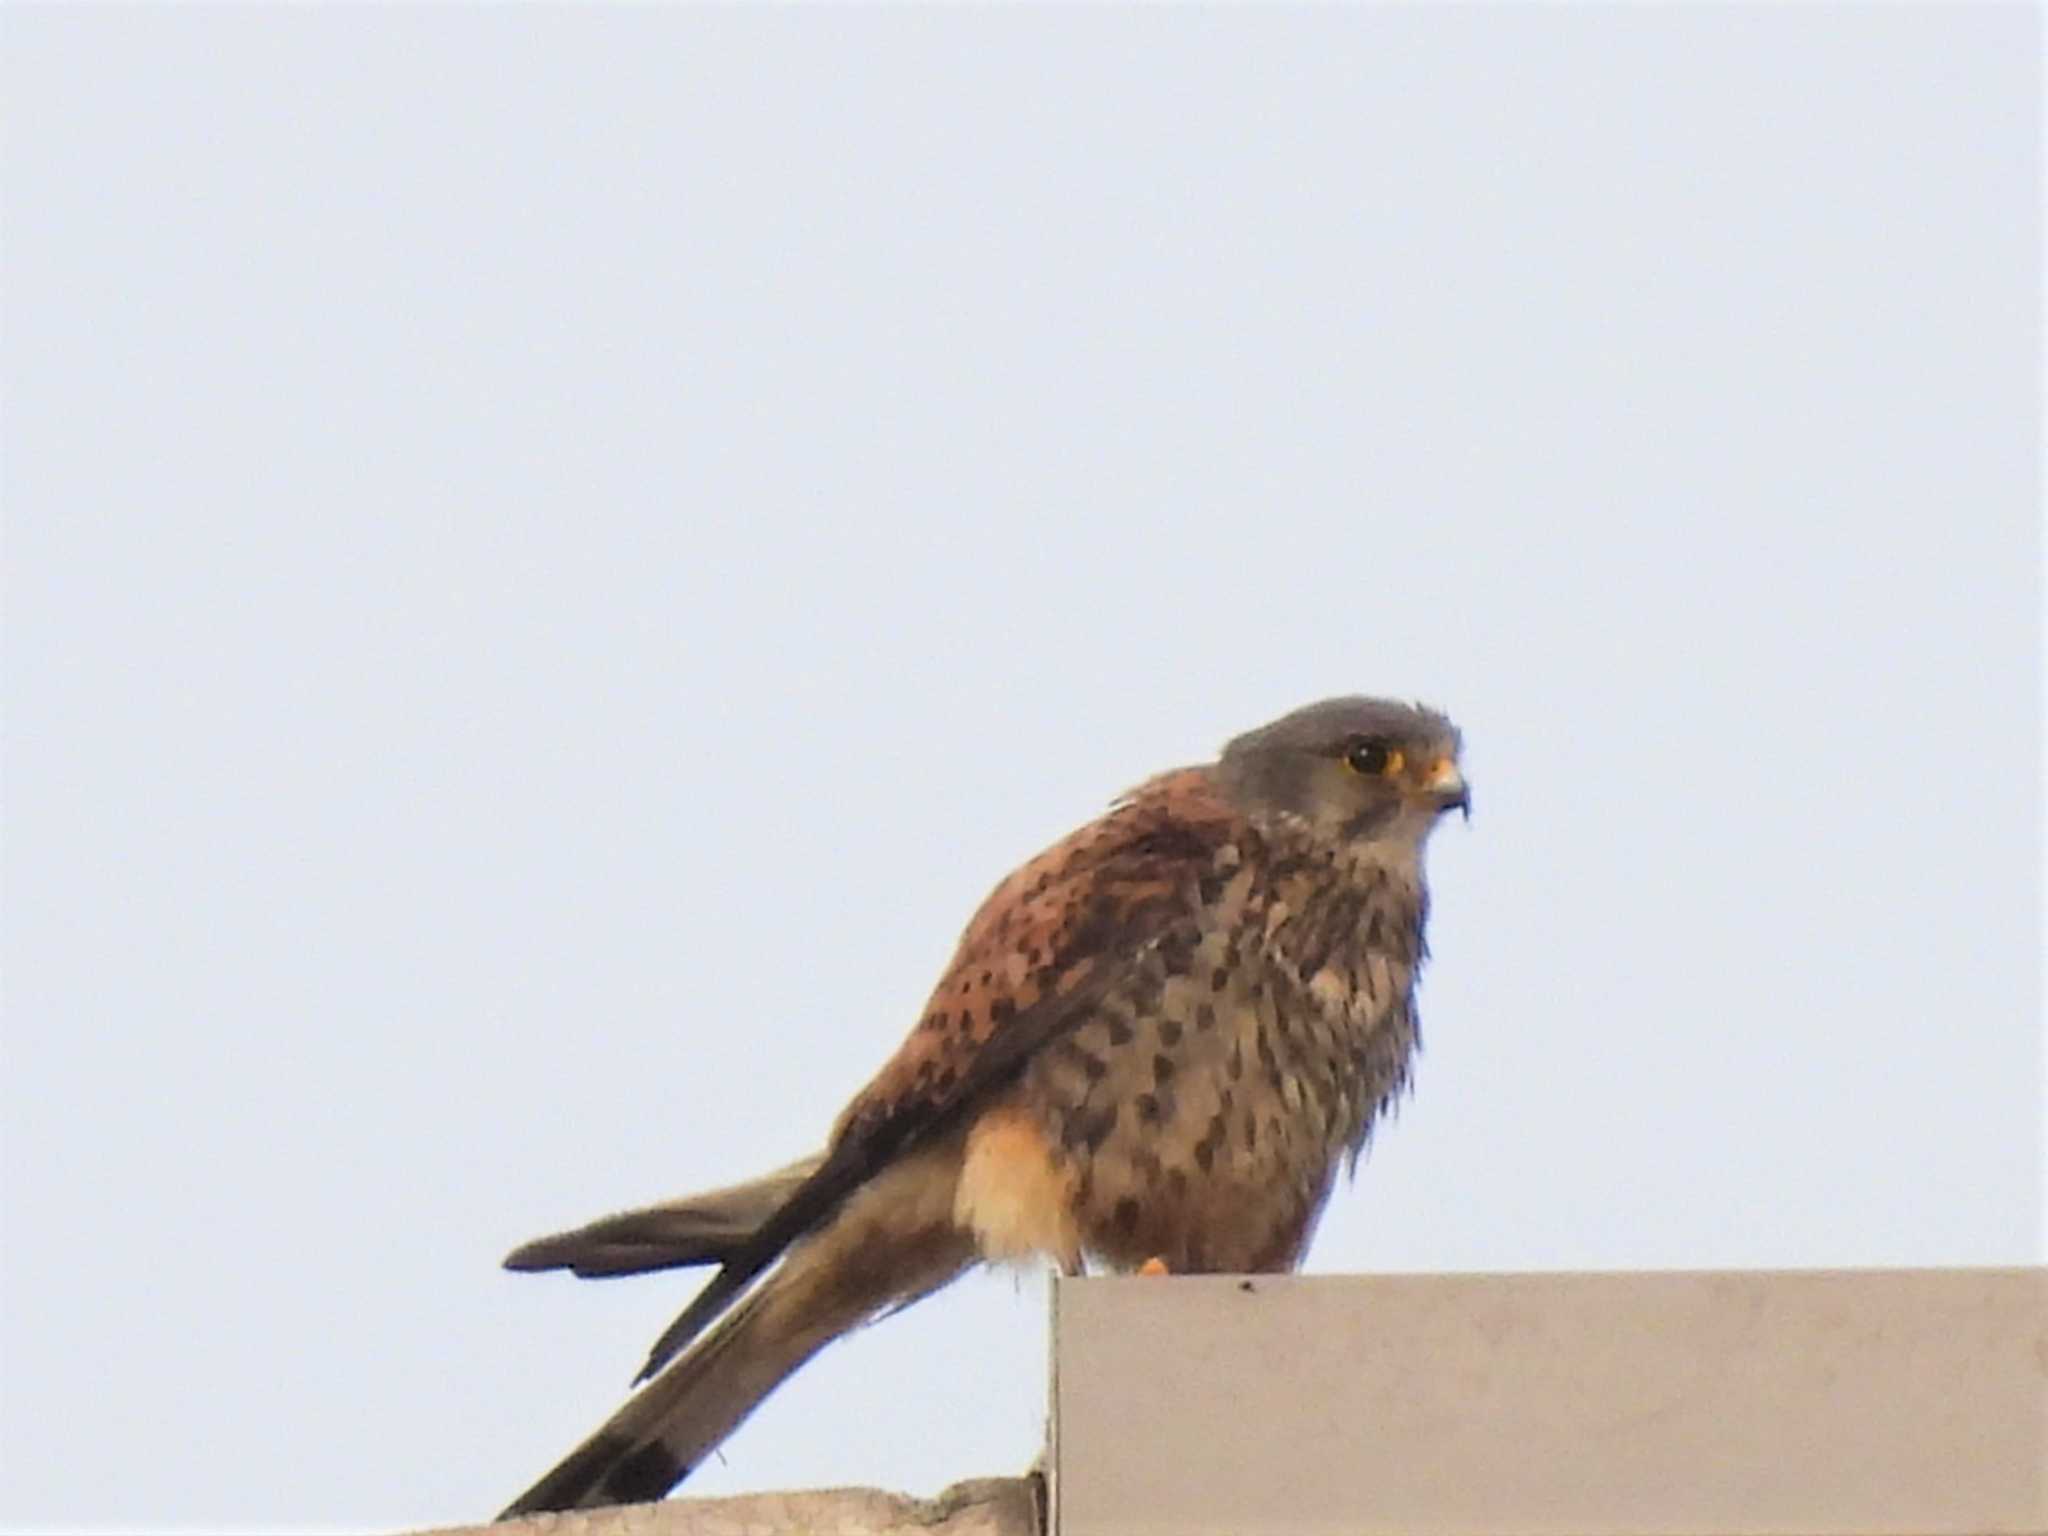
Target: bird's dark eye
[1372,758]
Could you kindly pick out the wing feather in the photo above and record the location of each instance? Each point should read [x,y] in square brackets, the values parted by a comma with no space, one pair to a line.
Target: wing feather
[1037,953]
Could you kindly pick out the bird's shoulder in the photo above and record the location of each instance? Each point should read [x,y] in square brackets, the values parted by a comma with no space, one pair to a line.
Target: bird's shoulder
[1052,933]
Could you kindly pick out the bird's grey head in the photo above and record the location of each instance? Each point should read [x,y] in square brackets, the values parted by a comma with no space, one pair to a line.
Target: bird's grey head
[1371,770]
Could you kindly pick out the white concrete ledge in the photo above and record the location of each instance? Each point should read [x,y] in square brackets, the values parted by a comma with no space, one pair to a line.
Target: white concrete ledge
[1845,1403]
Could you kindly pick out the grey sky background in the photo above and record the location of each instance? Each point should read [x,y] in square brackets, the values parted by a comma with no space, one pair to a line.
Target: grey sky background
[553,555]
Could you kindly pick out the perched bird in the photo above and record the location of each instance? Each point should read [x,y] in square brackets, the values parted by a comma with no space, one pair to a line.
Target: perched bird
[1153,1048]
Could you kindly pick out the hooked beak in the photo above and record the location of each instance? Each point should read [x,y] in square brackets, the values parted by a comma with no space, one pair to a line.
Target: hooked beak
[1447,788]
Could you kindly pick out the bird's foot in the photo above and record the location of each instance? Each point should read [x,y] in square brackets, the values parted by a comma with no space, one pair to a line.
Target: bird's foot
[1154,1266]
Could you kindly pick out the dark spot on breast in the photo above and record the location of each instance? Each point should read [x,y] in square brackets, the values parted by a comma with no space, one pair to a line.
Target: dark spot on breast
[1251,1131]
[1205,1017]
[1088,1127]
[1218,979]
[1169,1031]
[1090,1065]
[1119,1031]
[1126,1215]
[1162,1069]
[1143,994]
[1177,951]
[1000,1010]
[1148,1108]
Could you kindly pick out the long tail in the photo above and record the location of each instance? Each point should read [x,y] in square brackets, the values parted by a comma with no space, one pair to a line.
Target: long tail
[892,1243]
[700,1229]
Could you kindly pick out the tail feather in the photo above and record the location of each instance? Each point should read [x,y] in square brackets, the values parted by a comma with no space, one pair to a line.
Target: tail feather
[650,1444]
[700,1229]
[892,1244]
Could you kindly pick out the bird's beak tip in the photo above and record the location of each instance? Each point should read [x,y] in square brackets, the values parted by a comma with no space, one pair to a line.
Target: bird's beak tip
[1449,786]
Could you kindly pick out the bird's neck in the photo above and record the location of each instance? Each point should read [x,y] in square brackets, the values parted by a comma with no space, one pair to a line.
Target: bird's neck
[1376,903]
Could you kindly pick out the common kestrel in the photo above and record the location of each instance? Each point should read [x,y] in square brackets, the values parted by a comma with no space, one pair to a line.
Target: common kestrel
[1156,1042]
